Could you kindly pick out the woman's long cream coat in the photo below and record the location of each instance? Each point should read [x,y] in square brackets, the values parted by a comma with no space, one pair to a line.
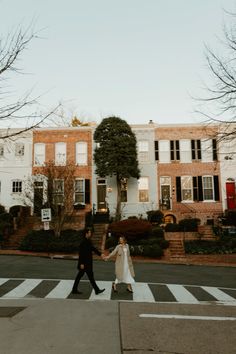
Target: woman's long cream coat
[119,263]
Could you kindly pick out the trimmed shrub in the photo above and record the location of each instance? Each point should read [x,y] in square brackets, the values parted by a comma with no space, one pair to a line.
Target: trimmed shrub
[2,209]
[172,227]
[155,216]
[157,232]
[190,224]
[46,241]
[131,228]
[210,247]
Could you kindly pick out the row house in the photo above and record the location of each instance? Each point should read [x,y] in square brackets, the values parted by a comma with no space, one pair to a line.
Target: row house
[188,170]
[15,165]
[184,172]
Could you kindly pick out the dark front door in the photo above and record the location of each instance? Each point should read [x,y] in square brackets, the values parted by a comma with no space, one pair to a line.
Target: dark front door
[101,195]
[38,197]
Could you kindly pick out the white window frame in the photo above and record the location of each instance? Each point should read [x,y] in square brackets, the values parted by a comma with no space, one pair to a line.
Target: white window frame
[164,151]
[19,150]
[60,154]
[207,150]
[143,150]
[143,188]
[79,191]
[39,154]
[186,189]
[82,153]
[204,189]
[185,151]
[58,192]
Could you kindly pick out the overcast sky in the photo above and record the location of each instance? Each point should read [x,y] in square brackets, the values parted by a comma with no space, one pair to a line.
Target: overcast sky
[137,59]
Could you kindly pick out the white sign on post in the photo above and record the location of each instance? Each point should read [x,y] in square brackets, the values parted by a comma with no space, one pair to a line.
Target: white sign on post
[46,215]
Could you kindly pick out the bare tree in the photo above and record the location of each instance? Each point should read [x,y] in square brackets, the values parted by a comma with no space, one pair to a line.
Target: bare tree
[219,103]
[13,113]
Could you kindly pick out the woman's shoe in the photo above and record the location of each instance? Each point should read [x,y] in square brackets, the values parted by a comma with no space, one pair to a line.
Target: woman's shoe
[129,290]
[114,287]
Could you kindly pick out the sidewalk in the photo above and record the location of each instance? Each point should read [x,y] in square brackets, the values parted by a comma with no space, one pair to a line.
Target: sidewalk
[225,260]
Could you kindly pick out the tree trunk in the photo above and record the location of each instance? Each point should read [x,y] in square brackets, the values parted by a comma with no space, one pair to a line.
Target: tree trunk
[118,202]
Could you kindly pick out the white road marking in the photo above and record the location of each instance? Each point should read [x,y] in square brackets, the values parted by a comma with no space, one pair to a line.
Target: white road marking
[106,295]
[142,293]
[181,294]
[185,317]
[218,294]
[23,289]
[61,290]
[2,281]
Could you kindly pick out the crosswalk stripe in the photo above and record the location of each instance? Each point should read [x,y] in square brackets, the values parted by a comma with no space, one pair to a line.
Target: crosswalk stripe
[61,290]
[2,281]
[142,293]
[218,294]
[181,294]
[106,295]
[23,289]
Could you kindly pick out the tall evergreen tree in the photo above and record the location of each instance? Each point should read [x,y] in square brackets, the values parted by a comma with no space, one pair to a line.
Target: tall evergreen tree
[116,153]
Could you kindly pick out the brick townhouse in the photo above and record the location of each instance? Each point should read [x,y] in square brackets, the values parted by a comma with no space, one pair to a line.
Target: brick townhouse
[65,146]
[188,171]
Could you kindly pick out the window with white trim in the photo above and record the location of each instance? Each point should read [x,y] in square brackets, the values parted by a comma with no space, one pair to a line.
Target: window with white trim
[164,151]
[58,191]
[79,191]
[186,188]
[207,150]
[16,186]
[185,151]
[60,154]
[143,150]
[196,149]
[82,153]
[19,149]
[208,187]
[39,154]
[143,189]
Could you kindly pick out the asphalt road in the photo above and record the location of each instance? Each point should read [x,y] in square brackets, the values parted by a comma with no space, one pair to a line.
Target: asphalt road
[46,268]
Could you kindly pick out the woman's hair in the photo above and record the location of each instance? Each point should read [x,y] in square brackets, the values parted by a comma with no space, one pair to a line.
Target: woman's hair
[124,238]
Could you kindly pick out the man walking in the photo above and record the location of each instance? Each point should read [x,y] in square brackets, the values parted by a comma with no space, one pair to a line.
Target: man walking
[85,263]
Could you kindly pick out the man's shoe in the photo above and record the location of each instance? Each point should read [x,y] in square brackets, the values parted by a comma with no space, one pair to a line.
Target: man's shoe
[99,291]
[76,292]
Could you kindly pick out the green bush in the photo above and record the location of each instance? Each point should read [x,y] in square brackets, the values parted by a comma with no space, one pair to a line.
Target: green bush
[155,216]
[190,224]
[210,247]
[172,227]
[46,241]
[2,209]
[111,242]
[157,232]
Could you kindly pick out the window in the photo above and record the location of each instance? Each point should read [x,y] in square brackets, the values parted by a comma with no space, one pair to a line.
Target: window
[81,153]
[19,149]
[1,150]
[82,191]
[124,190]
[186,187]
[196,149]
[39,154]
[143,189]
[143,149]
[156,150]
[58,191]
[174,150]
[164,151]
[60,153]
[214,150]
[207,184]
[185,151]
[16,186]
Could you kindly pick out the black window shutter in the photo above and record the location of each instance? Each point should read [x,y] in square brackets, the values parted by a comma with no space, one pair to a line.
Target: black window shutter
[214,149]
[178,189]
[193,149]
[200,191]
[216,188]
[156,150]
[87,191]
[195,189]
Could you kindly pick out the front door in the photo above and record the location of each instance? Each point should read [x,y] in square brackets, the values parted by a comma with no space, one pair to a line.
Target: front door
[38,197]
[101,195]
[165,197]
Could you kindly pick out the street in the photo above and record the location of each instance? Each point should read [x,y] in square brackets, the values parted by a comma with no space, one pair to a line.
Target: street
[175,309]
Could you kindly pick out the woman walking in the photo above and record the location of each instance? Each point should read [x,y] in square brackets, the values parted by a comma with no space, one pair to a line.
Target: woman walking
[124,270]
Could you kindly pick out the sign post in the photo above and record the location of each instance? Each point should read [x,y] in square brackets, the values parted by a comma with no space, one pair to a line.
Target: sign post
[46,216]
